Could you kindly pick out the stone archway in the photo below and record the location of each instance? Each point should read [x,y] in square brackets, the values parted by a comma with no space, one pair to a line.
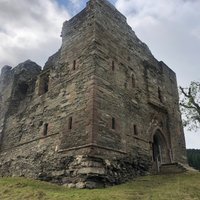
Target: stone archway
[160,152]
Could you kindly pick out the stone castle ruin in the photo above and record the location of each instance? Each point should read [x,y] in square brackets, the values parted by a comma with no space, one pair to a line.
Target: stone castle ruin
[101,111]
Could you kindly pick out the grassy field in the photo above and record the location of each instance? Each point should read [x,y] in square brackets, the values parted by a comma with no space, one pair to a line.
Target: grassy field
[180,187]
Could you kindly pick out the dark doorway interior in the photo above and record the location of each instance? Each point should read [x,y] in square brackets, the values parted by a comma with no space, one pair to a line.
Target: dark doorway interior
[160,149]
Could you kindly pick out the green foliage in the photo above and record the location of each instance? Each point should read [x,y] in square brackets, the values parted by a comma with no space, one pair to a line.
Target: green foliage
[190,105]
[194,158]
[178,187]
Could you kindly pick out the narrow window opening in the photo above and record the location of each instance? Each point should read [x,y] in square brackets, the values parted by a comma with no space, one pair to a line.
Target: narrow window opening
[135,130]
[74,65]
[70,123]
[40,123]
[125,85]
[160,95]
[113,66]
[43,84]
[113,123]
[23,88]
[46,86]
[133,81]
[45,131]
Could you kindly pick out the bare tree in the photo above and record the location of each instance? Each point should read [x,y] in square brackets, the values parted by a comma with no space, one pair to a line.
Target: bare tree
[190,105]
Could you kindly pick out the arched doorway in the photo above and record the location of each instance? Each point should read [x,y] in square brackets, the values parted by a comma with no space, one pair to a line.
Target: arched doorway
[160,149]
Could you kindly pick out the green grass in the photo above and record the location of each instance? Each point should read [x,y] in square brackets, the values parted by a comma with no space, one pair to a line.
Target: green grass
[180,187]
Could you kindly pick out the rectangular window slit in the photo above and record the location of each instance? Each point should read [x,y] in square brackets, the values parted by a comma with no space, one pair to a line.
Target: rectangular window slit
[135,130]
[113,123]
[74,65]
[70,123]
[113,66]
[43,83]
[45,131]
[133,81]
[160,94]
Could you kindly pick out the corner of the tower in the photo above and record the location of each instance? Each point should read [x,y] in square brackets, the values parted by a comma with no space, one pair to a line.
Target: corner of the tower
[105,5]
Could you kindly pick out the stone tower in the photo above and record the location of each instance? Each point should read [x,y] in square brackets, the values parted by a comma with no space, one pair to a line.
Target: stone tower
[101,111]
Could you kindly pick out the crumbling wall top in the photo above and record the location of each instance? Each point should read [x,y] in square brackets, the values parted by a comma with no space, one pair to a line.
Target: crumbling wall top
[92,6]
[5,70]
[107,4]
[28,66]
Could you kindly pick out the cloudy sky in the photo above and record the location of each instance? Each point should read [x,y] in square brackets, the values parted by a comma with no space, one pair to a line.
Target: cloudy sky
[171,29]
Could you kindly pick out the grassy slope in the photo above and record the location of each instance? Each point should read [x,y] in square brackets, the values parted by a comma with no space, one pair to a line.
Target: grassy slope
[182,186]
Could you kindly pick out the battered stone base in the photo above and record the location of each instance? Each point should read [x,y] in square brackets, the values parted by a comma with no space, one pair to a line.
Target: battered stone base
[78,171]
[93,172]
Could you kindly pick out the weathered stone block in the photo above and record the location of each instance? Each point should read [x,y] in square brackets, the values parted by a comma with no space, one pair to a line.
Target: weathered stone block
[80,185]
[91,170]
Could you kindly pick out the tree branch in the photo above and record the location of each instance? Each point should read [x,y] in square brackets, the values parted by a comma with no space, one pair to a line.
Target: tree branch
[191,98]
[185,94]
[189,107]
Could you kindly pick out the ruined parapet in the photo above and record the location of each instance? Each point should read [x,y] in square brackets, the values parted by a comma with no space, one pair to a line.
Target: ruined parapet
[6,82]
[24,78]
[17,87]
[52,61]
[6,75]
[6,78]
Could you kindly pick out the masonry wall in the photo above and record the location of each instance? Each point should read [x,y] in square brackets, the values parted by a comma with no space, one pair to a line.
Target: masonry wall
[68,96]
[77,51]
[91,114]
[54,115]
[135,90]
[5,93]
[118,89]
[17,86]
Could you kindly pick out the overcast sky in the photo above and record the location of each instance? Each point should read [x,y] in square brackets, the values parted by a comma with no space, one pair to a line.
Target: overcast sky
[171,29]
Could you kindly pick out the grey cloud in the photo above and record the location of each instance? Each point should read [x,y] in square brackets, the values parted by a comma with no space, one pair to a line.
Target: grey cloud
[171,30]
[29,30]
